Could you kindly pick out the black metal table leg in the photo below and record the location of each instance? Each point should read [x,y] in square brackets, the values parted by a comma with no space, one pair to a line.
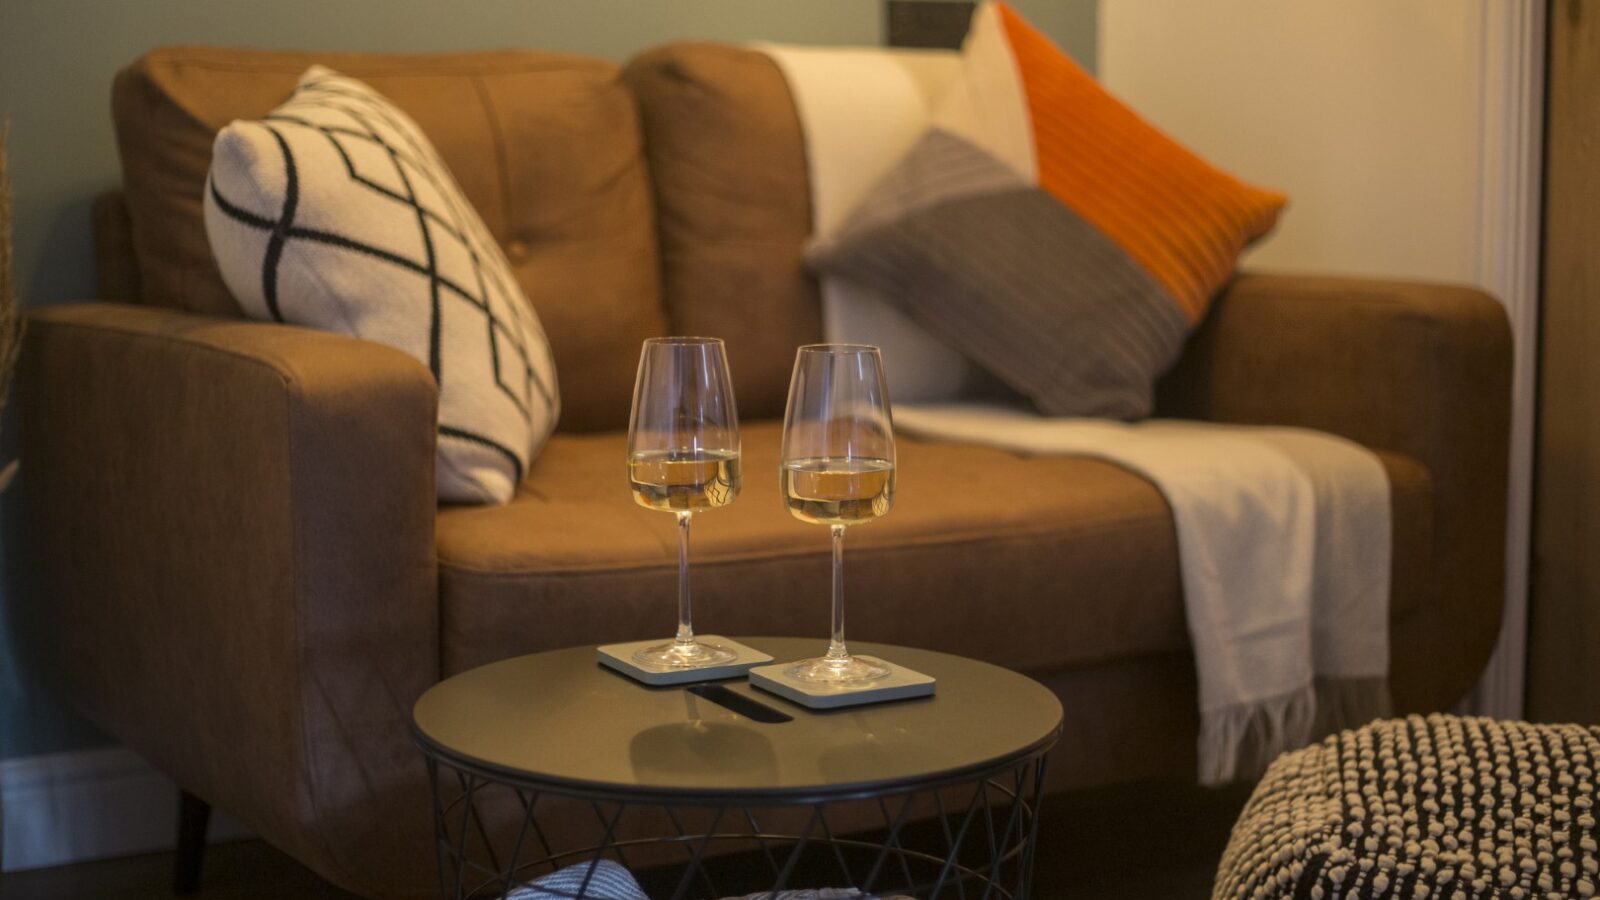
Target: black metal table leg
[194,815]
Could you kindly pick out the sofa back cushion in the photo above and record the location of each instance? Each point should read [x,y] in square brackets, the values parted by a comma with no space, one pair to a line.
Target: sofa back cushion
[546,147]
[733,206]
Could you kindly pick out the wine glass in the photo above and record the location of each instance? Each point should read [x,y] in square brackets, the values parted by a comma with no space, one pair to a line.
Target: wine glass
[838,470]
[683,458]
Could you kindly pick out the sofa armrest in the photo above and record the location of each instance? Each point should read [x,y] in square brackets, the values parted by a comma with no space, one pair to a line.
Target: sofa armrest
[231,526]
[1422,369]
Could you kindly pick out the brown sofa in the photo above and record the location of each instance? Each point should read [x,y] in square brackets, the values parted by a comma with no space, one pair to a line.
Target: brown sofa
[244,575]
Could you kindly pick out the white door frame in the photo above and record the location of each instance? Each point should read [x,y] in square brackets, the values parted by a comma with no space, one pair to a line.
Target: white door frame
[1509,212]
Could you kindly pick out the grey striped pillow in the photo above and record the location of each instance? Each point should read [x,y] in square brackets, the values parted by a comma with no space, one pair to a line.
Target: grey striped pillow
[1047,232]
[1013,279]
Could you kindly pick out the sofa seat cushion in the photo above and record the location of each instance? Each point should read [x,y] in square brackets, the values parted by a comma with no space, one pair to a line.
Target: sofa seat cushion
[1038,563]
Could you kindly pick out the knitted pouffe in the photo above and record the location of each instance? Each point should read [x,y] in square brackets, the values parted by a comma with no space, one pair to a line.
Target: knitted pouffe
[1440,807]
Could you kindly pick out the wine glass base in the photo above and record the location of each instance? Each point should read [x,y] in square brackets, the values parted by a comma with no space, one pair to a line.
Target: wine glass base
[688,655]
[849,670]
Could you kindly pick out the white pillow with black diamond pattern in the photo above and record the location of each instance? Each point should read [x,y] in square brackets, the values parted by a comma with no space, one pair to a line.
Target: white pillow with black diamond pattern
[335,212]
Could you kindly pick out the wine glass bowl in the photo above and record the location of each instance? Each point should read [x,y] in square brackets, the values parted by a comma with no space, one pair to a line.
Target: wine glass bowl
[838,469]
[683,458]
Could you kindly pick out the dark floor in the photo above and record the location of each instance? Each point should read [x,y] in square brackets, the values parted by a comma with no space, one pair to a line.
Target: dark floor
[250,870]
[1145,841]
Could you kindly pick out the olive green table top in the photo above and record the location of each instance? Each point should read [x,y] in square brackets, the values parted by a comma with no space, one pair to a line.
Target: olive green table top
[560,721]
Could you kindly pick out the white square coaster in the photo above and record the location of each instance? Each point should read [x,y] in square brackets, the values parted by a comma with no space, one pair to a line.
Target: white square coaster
[900,684]
[620,657]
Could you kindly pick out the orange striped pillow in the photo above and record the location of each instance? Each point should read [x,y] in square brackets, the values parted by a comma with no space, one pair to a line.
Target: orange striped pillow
[1047,232]
[1184,221]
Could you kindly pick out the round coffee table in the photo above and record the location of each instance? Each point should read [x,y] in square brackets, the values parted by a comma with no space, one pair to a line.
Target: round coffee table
[936,796]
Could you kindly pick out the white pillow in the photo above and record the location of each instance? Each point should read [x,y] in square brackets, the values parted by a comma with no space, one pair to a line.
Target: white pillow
[862,110]
[335,212]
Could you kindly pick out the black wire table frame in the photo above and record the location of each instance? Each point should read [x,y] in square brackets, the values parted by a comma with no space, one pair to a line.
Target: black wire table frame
[964,835]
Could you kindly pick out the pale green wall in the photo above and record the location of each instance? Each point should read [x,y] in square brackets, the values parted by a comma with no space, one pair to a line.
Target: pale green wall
[57,58]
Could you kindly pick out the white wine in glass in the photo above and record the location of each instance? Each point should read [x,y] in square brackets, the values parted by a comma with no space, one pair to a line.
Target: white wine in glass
[840,491]
[684,481]
[683,458]
[838,470]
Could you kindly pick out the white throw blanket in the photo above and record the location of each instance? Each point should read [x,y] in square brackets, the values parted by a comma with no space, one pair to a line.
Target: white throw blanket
[1283,534]
[1283,542]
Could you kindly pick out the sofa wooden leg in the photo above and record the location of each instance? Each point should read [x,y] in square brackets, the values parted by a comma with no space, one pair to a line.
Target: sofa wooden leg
[194,815]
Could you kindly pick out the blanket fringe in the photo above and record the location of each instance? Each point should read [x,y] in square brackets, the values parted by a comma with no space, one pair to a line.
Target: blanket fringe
[1238,741]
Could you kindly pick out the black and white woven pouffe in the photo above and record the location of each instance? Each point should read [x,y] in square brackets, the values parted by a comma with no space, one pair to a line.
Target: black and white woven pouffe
[1435,808]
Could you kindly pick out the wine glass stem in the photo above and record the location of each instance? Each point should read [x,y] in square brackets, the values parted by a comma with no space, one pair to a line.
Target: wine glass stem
[685,630]
[836,649]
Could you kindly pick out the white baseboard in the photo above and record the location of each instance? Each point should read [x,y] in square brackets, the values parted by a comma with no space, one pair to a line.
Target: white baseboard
[70,807]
